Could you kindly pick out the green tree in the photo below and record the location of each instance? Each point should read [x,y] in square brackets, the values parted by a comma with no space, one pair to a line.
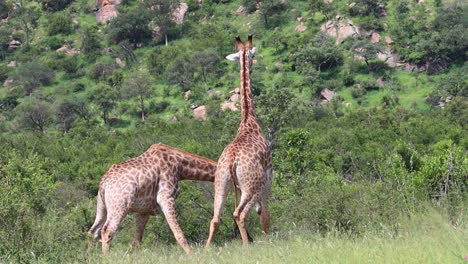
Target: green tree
[138,85]
[269,9]
[131,26]
[59,23]
[105,98]
[161,14]
[180,72]
[26,13]
[34,114]
[89,41]
[70,109]
[321,54]
[206,62]
[54,5]
[32,75]
[364,48]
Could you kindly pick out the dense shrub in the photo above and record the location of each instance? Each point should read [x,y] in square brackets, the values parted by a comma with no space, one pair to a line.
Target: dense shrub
[59,23]
[131,26]
[54,5]
[321,54]
[30,76]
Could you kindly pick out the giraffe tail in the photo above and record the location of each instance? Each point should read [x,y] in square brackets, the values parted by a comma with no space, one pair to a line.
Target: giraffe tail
[101,215]
[233,180]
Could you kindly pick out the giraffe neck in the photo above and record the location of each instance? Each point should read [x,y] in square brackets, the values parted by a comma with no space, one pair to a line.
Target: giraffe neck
[247,106]
[196,168]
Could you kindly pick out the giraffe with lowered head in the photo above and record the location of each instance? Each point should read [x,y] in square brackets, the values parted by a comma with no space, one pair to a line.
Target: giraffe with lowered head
[247,160]
[146,185]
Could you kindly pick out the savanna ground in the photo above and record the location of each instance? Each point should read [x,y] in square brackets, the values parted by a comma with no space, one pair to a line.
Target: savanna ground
[423,238]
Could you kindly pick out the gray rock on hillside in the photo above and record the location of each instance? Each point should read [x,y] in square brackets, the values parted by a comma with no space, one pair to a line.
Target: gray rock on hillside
[341,28]
[107,9]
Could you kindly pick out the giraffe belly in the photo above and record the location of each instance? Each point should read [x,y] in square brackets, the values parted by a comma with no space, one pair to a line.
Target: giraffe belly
[145,200]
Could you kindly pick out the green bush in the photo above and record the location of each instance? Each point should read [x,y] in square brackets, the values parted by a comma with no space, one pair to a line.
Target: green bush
[59,23]
[54,5]
[31,75]
[131,26]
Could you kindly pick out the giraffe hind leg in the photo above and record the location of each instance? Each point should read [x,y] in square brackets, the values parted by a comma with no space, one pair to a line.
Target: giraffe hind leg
[221,187]
[141,221]
[108,231]
[242,215]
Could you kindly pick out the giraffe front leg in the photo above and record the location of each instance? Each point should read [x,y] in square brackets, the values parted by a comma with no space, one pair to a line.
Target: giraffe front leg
[141,221]
[167,204]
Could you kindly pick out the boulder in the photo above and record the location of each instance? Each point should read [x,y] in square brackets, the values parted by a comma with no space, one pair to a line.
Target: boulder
[228,105]
[234,98]
[68,50]
[375,37]
[300,28]
[199,113]
[119,62]
[390,58]
[215,93]
[8,82]
[388,40]
[340,28]
[107,9]
[179,13]
[12,64]
[173,119]
[327,95]
[241,10]
[235,91]
[14,44]
[187,94]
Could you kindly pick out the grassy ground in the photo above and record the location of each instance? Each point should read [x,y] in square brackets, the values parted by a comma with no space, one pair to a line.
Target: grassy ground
[423,239]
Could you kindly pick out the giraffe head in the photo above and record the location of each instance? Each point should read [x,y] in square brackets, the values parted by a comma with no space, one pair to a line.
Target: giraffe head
[241,48]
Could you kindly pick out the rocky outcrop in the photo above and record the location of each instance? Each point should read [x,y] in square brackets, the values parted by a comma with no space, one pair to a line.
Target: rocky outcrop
[326,95]
[8,82]
[300,28]
[228,105]
[68,50]
[199,113]
[215,93]
[233,101]
[14,44]
[119,62]
[388,40]
[179,13]
[107,9]
[12,64]
[375,37]
[187,94]
[240,11]
[341,28]
[390,58]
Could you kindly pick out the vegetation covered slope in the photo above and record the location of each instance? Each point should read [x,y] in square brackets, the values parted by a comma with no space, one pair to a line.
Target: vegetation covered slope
[78,96]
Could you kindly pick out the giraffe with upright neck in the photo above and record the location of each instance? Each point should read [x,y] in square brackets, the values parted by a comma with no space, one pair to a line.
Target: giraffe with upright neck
[146,185]
[247,160]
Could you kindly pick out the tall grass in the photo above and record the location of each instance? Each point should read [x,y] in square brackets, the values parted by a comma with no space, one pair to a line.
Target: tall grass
[424,238]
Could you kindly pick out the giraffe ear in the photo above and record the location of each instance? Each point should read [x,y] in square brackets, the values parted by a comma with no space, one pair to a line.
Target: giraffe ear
[253,51]
[233,57]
